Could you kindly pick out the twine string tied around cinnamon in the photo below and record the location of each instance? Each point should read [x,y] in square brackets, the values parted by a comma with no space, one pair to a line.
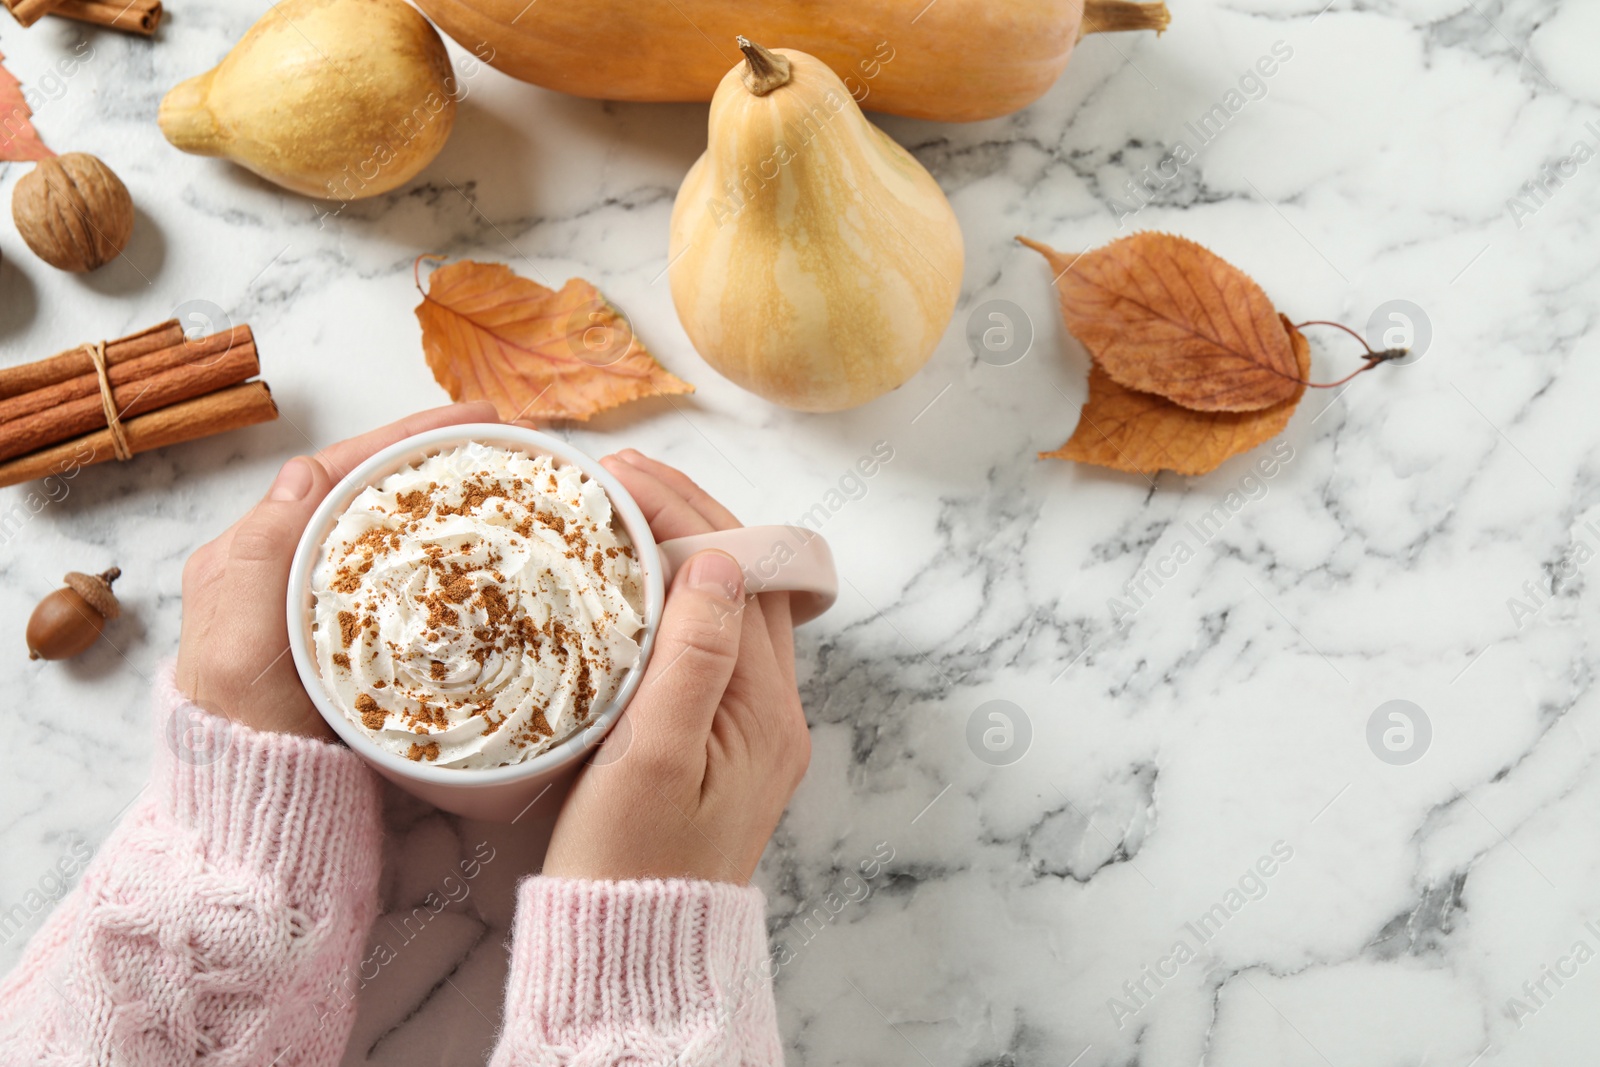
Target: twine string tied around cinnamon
[119,437]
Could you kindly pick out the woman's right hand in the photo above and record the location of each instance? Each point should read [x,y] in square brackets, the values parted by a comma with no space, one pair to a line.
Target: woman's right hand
[693,780]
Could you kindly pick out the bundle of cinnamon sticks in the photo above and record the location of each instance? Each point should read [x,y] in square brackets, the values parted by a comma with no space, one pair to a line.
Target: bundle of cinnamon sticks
[160,387]
[134,16]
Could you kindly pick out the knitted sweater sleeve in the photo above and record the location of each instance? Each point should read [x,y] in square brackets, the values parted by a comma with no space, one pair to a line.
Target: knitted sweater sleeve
[646,973]
[219,916]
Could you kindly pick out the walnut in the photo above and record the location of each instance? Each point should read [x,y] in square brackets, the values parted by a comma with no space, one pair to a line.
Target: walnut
[73,211]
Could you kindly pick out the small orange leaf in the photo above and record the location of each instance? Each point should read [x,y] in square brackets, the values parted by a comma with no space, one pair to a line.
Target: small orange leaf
[19,141]
[1144,433]
[1164,315]
[490,334]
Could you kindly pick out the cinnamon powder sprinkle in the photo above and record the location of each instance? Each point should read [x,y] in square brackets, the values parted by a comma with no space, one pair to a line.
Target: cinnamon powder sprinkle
[372,716]
[494,603]
[415,503]
[348,579]
[464,586]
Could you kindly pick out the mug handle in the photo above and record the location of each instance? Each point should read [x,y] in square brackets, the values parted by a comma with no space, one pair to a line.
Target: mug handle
[775,559]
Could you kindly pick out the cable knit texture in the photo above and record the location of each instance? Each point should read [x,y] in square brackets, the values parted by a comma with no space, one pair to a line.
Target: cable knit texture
[221,920]
[217,919]
[640,973]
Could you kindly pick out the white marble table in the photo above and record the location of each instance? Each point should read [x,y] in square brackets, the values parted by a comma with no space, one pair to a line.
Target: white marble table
[1199,773]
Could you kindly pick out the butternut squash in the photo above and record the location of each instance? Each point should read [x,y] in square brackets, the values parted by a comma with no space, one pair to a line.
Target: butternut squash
[949,60]
[812,260]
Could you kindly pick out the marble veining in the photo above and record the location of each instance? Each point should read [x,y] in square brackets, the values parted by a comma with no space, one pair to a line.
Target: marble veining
[1197,848]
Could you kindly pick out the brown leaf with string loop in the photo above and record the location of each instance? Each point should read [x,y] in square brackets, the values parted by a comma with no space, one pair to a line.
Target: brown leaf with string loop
[1143,433]
[1164,315]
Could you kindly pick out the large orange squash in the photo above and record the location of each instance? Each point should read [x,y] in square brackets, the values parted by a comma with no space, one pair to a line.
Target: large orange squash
[951,60]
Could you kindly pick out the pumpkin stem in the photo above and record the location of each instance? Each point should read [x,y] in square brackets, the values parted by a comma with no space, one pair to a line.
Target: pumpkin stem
[764,71]
[1114,16]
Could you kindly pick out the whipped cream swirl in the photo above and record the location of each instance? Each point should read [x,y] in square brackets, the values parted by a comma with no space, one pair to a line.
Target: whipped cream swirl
[476,608]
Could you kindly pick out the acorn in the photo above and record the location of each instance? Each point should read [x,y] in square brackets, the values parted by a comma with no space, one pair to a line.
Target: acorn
[70,619]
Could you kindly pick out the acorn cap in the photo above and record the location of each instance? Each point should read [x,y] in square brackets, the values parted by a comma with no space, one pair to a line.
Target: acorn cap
[96,590]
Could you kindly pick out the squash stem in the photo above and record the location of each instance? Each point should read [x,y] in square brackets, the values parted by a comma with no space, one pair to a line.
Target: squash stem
[1115,16]
[764,71]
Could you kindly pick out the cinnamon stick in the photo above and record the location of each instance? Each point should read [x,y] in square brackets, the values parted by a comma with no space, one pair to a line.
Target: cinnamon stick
[227,409]
[132,16]
[28,12]
[78,417]
[75,362]
[126,368]
[1118,16]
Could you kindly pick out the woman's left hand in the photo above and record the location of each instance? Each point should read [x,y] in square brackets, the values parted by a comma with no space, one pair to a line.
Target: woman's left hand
[233,656]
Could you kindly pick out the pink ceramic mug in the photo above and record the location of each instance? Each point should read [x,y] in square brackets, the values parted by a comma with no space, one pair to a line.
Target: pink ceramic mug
[774,558]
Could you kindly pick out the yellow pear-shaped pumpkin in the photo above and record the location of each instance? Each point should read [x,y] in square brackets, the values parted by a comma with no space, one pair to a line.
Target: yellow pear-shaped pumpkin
[813,261]
[340,99]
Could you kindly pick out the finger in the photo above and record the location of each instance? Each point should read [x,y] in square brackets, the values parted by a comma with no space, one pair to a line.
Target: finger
[774,606]
[671,515]
[415,424]
[697,648]
[248,575]
[780,630]
[257,570]
[751,720]
[221,542]
[707,505]
[668,513]
[339,459]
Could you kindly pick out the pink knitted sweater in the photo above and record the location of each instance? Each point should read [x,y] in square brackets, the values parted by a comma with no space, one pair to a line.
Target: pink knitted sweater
[216,923]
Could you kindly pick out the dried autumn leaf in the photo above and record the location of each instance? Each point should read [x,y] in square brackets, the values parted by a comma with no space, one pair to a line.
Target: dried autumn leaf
[1144,433]
[1164,315]
[19,141]
[490,334]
